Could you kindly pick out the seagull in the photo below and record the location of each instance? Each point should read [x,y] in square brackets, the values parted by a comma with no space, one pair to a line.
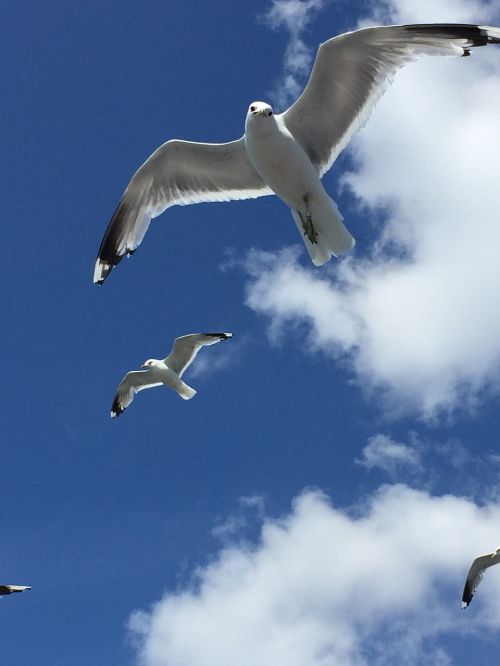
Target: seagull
[10,589]
[167,371]
[286,154]
[477,568]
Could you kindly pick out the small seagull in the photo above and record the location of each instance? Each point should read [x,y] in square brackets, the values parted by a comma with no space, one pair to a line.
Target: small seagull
[11,589]
[167,371]
[287,153]
[477,568]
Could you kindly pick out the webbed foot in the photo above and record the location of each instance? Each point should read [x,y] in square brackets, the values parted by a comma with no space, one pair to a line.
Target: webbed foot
[308,227]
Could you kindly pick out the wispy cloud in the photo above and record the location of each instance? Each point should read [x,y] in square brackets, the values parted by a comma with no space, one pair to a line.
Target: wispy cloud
[250,510]
[427,464]
[219,357]
[323,585]
[384,453]
[294,16]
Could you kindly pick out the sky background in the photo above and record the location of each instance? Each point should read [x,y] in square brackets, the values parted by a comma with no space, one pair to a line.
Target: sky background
[320,500]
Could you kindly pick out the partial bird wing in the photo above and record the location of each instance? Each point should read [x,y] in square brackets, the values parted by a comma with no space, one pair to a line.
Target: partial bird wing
[10,589]
[132,383]
[476,571]
[178,172]
[187,346]
[353,70]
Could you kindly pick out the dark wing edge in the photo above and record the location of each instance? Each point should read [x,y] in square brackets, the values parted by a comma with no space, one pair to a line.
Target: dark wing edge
[221,336]
[117,408]
[111,250]
[467,594]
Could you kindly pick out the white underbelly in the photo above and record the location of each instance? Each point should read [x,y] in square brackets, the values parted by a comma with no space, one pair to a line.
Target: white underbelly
[285,167]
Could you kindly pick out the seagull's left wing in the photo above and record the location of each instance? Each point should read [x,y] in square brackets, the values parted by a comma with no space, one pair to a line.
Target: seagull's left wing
[178,172]
[476,571]
[187,346]
[352,71]
[132,383]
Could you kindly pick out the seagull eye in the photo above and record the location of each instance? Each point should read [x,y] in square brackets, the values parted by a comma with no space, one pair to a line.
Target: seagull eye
[252,108]
[270,113]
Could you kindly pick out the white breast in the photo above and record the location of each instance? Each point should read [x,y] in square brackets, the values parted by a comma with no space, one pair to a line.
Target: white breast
[280,160]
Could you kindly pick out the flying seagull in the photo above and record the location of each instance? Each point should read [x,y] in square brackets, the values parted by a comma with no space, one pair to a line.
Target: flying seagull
[286,154]
[10,589]
[477,568]
[167,371]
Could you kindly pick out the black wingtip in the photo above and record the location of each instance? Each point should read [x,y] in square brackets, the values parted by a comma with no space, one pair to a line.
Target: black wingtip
[467,596]
[476,35]
[108,257]
[221,336]
[116,408]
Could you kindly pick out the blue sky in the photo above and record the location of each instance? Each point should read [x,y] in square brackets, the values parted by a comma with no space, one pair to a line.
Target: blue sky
[355,412]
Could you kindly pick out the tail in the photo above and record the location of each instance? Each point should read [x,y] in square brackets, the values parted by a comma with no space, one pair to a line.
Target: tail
[332,236]
[185,391]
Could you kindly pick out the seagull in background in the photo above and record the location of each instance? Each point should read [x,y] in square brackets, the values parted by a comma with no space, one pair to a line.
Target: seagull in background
[167,371]
[11,589]
[477,568]
[286,154]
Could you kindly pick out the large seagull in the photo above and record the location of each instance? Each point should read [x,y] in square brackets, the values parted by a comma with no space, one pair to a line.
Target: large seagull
[287,153]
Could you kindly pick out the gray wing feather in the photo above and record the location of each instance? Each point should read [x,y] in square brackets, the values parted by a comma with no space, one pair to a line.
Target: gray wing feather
[187,347]
[351,73]
[475,575]
[132,383]
[178,172]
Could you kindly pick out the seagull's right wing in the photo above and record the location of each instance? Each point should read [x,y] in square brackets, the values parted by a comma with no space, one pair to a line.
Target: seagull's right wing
[132,383]
[178,172]
[477,568]
[352,71]
[187,346]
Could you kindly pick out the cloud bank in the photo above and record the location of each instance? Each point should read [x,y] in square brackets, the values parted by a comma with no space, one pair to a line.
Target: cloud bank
[376,584]
[414,313]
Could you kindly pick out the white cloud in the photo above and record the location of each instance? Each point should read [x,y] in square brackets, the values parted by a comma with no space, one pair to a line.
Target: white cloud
[251,508]
[294,16]
[418,317]
[430,11]
[377,584]
[384,453]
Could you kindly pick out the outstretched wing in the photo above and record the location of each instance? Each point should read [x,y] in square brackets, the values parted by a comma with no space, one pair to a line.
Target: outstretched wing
[476,571]
[132,383]
[353,70]
[178,172]
[187,346]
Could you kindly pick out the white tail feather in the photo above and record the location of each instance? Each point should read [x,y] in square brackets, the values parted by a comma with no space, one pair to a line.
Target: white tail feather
[185,391]
[333,238]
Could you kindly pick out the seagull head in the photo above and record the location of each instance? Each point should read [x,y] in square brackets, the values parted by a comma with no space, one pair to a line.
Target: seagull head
[150,363]
[260,110]
[496,552]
